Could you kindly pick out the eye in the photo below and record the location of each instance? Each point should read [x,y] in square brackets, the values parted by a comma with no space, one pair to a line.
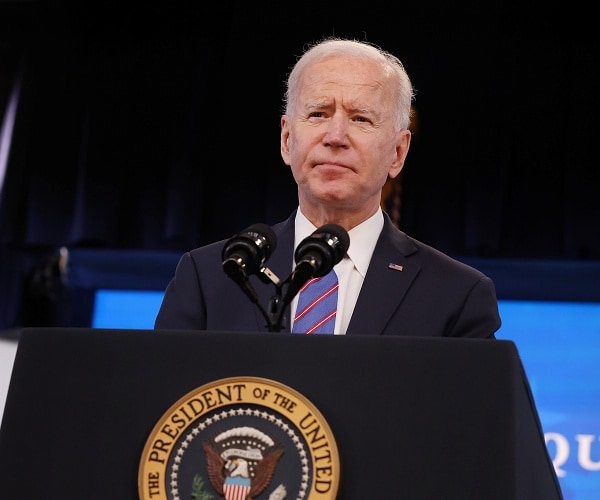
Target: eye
[316,114]
[362,119]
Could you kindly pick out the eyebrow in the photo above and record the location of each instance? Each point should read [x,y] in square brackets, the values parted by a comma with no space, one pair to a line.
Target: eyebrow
[317,105]
[364,111]
[326,104]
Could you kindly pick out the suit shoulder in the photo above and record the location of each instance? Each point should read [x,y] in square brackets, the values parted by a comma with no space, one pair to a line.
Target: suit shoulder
[442,261]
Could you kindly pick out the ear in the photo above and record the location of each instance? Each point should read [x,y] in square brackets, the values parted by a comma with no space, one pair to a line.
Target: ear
[402,147]
[285,140]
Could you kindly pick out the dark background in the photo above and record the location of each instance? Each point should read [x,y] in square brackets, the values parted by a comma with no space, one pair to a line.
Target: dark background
[156,127]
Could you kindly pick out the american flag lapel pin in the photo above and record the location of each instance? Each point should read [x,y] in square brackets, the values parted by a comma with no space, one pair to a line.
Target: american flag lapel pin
[395,267]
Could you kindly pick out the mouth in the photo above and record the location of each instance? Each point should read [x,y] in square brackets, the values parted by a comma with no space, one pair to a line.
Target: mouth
[331,165]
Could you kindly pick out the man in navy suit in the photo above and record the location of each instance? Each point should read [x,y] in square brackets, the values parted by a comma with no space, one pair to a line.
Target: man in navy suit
[345,131]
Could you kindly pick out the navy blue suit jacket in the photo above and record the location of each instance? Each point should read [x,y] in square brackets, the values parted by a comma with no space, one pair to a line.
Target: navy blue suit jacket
[432,295]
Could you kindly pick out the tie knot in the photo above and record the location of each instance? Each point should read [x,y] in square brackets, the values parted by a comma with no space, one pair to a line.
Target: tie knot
[317,305]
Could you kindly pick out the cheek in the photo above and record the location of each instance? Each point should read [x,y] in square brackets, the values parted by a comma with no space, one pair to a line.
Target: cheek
[297,150]
[382,161]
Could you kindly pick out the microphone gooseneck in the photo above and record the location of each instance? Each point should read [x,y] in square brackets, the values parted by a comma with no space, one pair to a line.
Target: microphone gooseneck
[246,253]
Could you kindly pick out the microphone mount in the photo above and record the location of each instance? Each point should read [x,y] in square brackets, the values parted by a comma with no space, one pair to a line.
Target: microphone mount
[316,255]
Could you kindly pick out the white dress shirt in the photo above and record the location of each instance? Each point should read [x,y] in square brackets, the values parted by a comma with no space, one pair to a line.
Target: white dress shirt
[351,270]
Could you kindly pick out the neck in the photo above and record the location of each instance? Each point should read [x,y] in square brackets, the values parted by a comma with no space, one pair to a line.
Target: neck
[321,215]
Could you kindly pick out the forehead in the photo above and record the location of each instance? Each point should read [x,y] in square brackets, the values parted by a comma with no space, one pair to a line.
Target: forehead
[351,76]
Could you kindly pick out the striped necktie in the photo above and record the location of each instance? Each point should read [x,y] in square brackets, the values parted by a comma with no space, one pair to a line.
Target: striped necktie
[317,305]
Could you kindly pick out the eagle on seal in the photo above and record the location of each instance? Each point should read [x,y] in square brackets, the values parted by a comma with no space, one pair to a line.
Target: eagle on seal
[220,470]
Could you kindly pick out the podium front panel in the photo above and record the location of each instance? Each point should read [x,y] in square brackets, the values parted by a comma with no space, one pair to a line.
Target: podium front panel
[414,418]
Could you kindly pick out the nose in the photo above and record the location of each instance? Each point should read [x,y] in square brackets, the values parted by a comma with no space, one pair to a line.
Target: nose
[337,131]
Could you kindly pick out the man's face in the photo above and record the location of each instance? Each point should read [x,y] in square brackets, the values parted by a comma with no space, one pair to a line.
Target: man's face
[340,140]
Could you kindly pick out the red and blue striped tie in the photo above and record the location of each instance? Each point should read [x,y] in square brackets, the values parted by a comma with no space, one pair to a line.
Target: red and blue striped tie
[317,305]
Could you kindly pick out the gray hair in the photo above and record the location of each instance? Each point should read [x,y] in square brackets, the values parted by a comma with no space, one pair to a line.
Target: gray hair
[404,92]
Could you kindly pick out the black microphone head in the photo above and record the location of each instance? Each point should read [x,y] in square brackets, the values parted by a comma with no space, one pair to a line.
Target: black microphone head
[249,249]
[337,238]
[325,247]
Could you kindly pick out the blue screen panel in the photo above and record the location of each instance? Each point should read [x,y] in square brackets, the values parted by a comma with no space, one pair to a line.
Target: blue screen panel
[134,309]
[559,345]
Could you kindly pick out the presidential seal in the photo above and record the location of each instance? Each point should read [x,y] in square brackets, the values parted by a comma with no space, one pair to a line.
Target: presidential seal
[240,438]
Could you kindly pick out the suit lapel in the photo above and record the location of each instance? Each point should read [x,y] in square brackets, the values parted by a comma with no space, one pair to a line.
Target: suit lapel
[387,281]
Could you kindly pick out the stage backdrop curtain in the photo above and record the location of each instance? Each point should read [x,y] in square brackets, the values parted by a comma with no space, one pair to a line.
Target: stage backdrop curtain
[159,130]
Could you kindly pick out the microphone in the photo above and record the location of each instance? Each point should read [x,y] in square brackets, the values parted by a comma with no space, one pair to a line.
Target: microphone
[245,254]
[316,255]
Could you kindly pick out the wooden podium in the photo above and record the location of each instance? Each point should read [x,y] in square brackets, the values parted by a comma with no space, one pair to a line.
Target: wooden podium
[414,418]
